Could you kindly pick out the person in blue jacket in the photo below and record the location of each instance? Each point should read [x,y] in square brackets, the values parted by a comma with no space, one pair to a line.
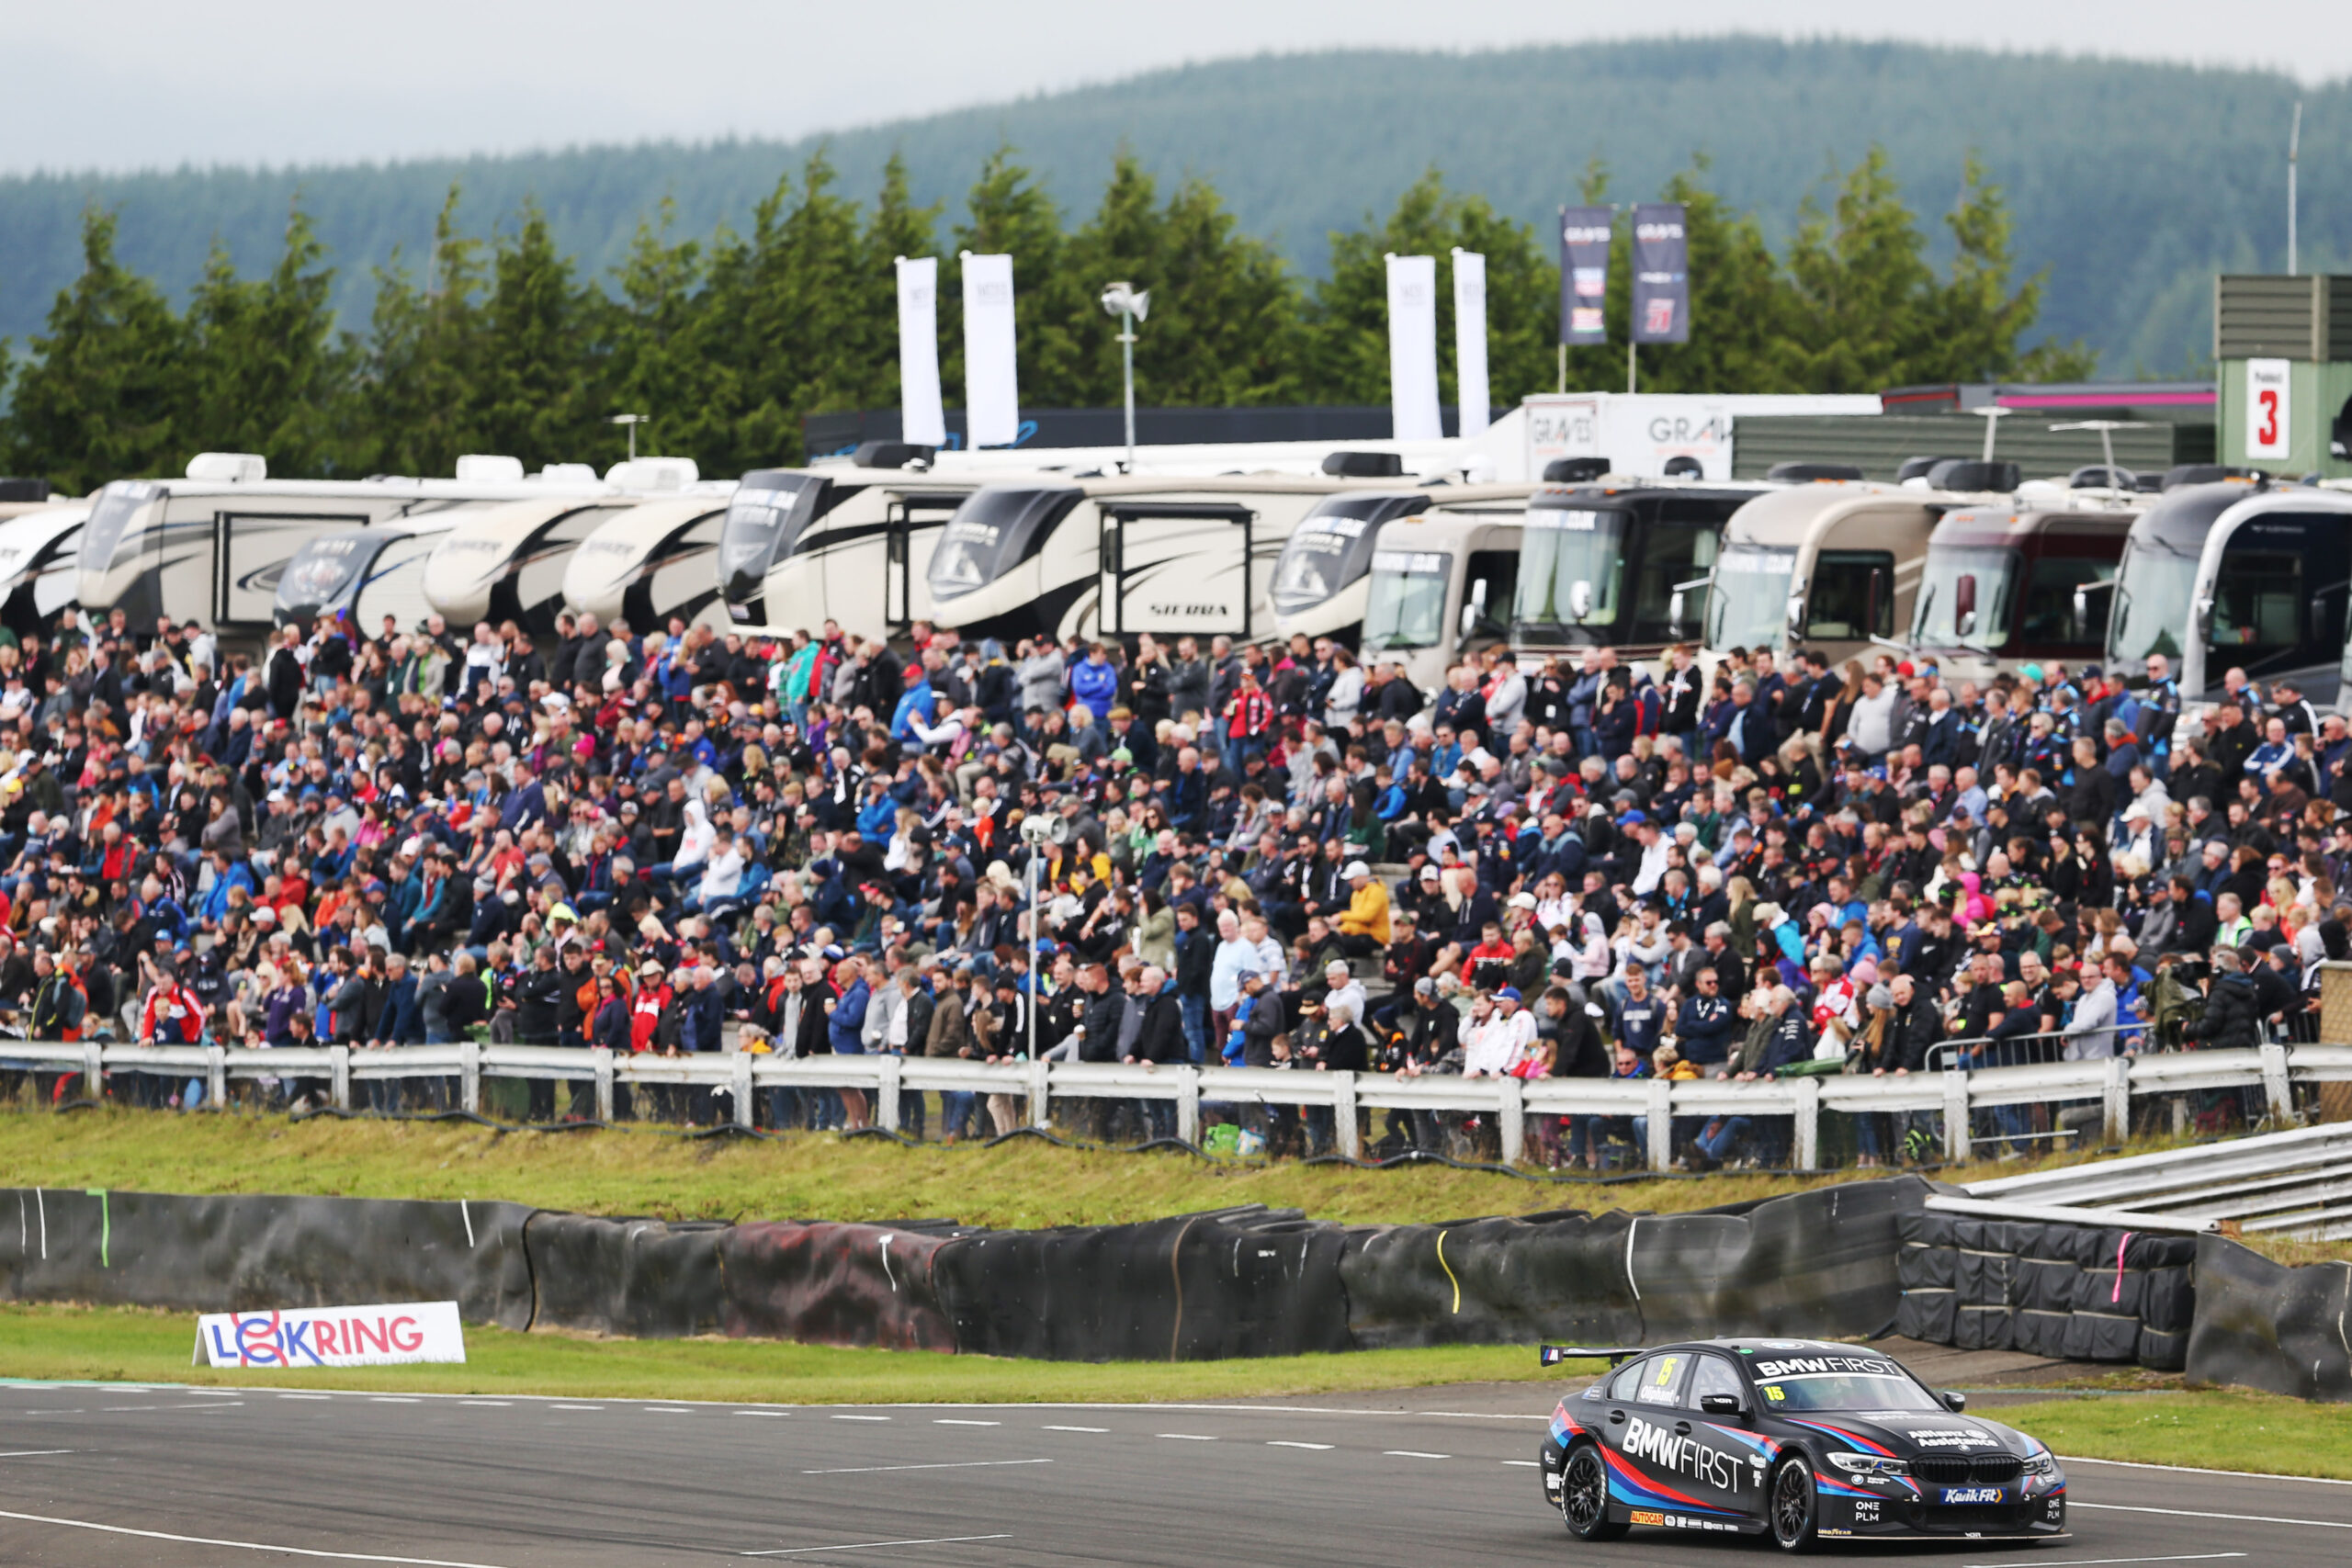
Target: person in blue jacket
[916,702]
[1095,683]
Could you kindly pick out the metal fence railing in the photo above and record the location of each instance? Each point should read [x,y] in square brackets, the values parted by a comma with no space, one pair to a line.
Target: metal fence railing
[1951,1095]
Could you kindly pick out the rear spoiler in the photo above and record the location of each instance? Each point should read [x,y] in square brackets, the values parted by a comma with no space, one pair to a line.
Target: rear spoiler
[1553,1355]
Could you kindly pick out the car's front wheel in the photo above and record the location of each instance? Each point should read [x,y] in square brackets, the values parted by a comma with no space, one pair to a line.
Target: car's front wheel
[1795,1507]
[1584,1495]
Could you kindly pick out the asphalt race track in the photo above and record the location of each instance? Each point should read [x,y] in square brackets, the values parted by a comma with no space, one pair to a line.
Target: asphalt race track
[104,1475]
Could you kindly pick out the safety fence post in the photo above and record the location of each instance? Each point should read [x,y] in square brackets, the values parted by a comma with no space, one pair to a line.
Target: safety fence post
[1343,1115]
[94,1069]
[216,1075]
[340,1056]
[1188,1103]
[1955,1114]
[1514,1119]
[740,1086]
[2116,1101]
[1041,1102]
[2276,1089]
[886,1109]
[1661,1124]
[602,1056]
[469,1076]
[1807,1153]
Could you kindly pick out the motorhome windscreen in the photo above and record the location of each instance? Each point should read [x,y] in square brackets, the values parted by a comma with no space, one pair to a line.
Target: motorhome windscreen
[2278,594]
[1984,580]
[117,506]
[994,531]
[1564,546]
[1331,548]
[1405,607]
[323,571]
[1749,605]
[761,521]
[2153,590]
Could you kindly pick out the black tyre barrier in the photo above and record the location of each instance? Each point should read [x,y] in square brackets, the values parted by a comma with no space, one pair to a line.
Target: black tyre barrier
[1491,1281]
[2076,1293]
[243,1253]
[2269,1325]
[1247,1282]
[817,1282]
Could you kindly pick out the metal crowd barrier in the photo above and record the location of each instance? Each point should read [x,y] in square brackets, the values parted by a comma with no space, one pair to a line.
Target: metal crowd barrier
[1951,1095]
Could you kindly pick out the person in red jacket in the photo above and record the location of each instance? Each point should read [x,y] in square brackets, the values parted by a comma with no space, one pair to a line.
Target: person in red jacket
[172,1017]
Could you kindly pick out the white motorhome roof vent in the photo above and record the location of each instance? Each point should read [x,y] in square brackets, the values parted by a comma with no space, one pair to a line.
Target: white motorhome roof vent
[490,468]
[228,467]
[653,473]
[567,474]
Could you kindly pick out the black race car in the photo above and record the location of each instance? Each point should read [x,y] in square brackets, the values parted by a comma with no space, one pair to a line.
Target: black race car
[1796,1439]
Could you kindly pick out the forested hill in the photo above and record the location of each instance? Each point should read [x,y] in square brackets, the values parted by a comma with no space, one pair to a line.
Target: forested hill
[2132,182]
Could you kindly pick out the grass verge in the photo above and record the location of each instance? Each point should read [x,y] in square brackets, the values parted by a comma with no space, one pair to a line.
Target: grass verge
[2213,1430]
[140,1345]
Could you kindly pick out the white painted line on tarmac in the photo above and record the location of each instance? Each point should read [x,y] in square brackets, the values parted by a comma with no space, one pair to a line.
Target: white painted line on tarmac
[488,1404]
[240,1545]
[306,1396]
[948,1421]
[1524,1463]
[955,1464]
[35,1453]
[2197,1470]
[1186,1436]
[867,1545]
[779,1415]
[575,1407]
[664,1410]
[2092,1561]
[1408,1453]
[201,1393]
[391,1399]
[1280,1443]
[1074,1428]
[860,1417]
[2202,1514]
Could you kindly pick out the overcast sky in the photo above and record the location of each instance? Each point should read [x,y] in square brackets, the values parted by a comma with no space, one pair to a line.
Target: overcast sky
[130,84]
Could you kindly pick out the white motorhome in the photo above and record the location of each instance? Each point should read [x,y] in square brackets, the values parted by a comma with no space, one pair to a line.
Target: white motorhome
[2238,575]
[212,546]
[1118,557]
[653,562]
[798,546]
[40,564]
[1323,577]
[508,563]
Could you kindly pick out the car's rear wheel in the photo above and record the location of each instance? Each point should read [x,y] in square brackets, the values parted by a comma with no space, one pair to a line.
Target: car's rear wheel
[1795,1507]
[1584,1495]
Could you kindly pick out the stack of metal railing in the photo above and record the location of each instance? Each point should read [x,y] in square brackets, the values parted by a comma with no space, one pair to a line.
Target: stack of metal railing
[2295,1184]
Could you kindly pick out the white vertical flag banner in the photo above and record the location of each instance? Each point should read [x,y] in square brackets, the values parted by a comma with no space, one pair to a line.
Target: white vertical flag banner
[991,392]
[1470,339]
[1412,348]
[922,420]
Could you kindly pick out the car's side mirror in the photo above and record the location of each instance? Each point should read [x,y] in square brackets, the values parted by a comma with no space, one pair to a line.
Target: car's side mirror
[1719,1404]
[1954,1400]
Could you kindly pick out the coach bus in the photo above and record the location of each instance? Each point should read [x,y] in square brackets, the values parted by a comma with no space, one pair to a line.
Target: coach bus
[2005,585]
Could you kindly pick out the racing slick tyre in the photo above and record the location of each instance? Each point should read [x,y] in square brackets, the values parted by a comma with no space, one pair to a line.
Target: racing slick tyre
[1584,1495]
[1794,1507]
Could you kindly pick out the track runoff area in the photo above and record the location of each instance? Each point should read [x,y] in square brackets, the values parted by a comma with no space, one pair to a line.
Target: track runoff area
[95,1475]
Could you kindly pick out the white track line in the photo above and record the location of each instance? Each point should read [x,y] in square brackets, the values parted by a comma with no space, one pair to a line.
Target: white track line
[864,1545]
[488,1404]
[2202,1514]
[860,1417]
[1186,1436]
[240,1545]
[958,1464]
[947,1421]
[308,1396]
[1281,1443]
[1073,1429]
[575,1407]
[1408,1453]
[2196,1469]
[35,1453]
[2091,1562]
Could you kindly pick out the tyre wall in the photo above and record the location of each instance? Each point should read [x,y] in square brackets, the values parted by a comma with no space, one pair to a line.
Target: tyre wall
[2077,1292]
[2267,1325]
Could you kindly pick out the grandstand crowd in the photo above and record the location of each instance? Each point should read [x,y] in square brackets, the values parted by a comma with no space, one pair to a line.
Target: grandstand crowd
[675,840]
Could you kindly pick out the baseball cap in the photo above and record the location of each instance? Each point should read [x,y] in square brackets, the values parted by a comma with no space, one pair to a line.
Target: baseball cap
[1356,868]
[1508,993]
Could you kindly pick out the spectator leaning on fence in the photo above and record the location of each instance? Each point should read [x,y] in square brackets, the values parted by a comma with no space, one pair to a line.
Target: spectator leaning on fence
[662,839]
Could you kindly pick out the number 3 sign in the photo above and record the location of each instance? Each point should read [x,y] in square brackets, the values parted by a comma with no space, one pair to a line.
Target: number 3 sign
[2268,432]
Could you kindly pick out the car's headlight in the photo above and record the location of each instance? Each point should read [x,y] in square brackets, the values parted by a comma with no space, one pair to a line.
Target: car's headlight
[2041,1464]
[1869,1464]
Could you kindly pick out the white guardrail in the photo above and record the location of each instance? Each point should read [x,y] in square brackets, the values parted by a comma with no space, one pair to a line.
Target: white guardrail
[1950,1095]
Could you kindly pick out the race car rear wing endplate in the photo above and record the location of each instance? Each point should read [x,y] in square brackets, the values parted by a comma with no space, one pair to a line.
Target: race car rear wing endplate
[1553,1355]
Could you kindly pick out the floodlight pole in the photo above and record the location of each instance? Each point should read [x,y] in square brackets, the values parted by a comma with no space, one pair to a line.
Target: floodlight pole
[1032,1008]
[2294,146]
[632,421]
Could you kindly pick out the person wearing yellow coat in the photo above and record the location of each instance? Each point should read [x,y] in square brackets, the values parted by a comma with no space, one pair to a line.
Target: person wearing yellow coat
[1363,925]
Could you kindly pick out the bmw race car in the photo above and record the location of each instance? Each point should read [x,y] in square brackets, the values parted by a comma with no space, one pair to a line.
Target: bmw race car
[1796,1439]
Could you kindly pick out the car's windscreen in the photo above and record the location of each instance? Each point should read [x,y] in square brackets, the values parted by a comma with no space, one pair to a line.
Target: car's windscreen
[1406,607]
[1750,605]
[1843,1391]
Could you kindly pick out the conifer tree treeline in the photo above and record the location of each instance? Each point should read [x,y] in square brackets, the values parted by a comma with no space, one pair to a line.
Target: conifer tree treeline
[500,344]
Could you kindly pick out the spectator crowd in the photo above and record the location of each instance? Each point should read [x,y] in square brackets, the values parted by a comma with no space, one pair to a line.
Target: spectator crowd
[678,840]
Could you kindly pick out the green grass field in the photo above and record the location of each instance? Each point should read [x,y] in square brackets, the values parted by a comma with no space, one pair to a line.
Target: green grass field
[139,1345]
[2215,1429]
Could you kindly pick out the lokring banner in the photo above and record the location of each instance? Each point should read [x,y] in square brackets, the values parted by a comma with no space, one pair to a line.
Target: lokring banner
[332,1337]
[1661,274]
[1584,273]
